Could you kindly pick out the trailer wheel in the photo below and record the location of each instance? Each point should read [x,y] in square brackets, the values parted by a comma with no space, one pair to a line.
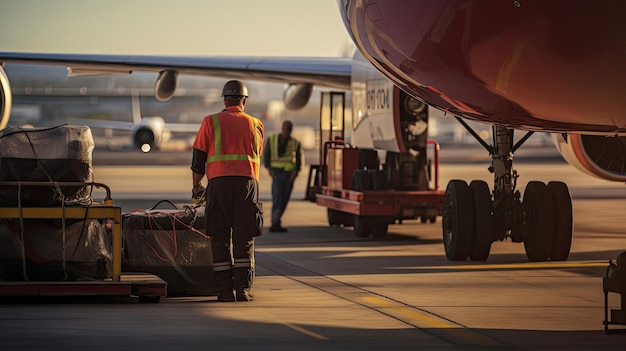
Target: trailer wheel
[380,227]
[362,227]
[334,217]
[338,218]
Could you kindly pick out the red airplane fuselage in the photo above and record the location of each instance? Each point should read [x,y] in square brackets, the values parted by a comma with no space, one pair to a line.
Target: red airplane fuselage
[528,64]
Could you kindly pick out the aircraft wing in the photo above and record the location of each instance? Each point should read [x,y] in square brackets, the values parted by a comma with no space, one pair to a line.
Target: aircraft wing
[330,72]
[98,123]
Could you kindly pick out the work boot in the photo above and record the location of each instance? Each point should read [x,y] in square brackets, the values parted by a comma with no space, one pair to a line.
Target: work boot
[224,284]
[243,277]
[278,229]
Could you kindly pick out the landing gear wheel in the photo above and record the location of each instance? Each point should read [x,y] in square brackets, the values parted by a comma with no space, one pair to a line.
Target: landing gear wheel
[483,221]
[458,220]
[539,221]
[563,227]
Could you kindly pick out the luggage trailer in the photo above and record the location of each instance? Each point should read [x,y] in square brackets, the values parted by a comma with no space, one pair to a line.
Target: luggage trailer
[148,288]
[361,198]
[362,192]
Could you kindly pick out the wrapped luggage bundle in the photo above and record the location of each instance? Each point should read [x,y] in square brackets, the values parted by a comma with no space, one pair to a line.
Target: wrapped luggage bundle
[56,154]
[54,250]
[172,245]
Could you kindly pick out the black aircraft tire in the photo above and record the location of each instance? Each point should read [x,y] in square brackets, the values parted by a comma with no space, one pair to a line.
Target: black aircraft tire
[563,226]
[458,220]
[483,221]
[539,221]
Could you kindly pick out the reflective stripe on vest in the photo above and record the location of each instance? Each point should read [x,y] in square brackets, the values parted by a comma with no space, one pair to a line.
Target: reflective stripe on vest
[217,139]
[288,160]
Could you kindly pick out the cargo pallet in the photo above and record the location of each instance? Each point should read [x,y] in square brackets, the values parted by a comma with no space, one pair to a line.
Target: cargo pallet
[148,288]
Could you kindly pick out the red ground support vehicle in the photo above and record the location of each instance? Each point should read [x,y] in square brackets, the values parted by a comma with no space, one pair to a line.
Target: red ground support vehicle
[358,190]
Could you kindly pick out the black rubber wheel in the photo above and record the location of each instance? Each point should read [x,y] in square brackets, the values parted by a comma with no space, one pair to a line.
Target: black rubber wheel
[458,220]
[335,217]
[363,227]
[538,221]
[563,226]
[348,220]
[483,221]
[381,227]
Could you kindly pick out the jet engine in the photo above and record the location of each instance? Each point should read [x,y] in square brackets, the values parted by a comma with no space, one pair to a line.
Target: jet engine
[150,133]
[296,96]
[597,155]
[5,99]
[166,85]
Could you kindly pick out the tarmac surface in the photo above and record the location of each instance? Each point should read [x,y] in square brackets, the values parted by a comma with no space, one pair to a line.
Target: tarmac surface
[322,288]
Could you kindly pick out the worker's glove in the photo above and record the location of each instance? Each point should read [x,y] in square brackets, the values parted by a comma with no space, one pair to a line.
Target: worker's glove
[198,194]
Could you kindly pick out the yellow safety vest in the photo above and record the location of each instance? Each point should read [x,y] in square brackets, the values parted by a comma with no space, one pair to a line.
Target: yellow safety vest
[286,161]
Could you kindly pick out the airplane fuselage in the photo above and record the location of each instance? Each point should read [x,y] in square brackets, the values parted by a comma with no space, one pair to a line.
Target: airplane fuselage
[535,65]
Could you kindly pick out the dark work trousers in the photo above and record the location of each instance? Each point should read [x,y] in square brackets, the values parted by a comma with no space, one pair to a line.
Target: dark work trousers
[233,216]
[281,192]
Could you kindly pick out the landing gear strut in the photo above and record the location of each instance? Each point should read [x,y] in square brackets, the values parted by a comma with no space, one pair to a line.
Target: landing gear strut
[474,217]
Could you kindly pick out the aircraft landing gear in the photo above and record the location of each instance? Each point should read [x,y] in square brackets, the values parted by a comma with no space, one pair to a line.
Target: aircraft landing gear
[473,217]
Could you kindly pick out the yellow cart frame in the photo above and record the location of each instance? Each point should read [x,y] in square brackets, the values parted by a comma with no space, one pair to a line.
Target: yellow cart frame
[147,287]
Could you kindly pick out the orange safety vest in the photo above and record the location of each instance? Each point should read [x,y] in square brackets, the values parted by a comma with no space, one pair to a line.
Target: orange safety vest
[233,142]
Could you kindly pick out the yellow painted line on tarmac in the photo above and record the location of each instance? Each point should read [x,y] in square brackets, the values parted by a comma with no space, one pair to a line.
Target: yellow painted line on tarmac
[425,320]
[304,331]
[410,312]
[521,265]
[529,265]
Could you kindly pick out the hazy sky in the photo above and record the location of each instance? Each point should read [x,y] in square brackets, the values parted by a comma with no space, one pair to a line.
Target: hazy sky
[180,27]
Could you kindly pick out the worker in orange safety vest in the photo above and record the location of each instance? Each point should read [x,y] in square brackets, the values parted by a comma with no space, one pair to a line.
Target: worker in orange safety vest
[227,150]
